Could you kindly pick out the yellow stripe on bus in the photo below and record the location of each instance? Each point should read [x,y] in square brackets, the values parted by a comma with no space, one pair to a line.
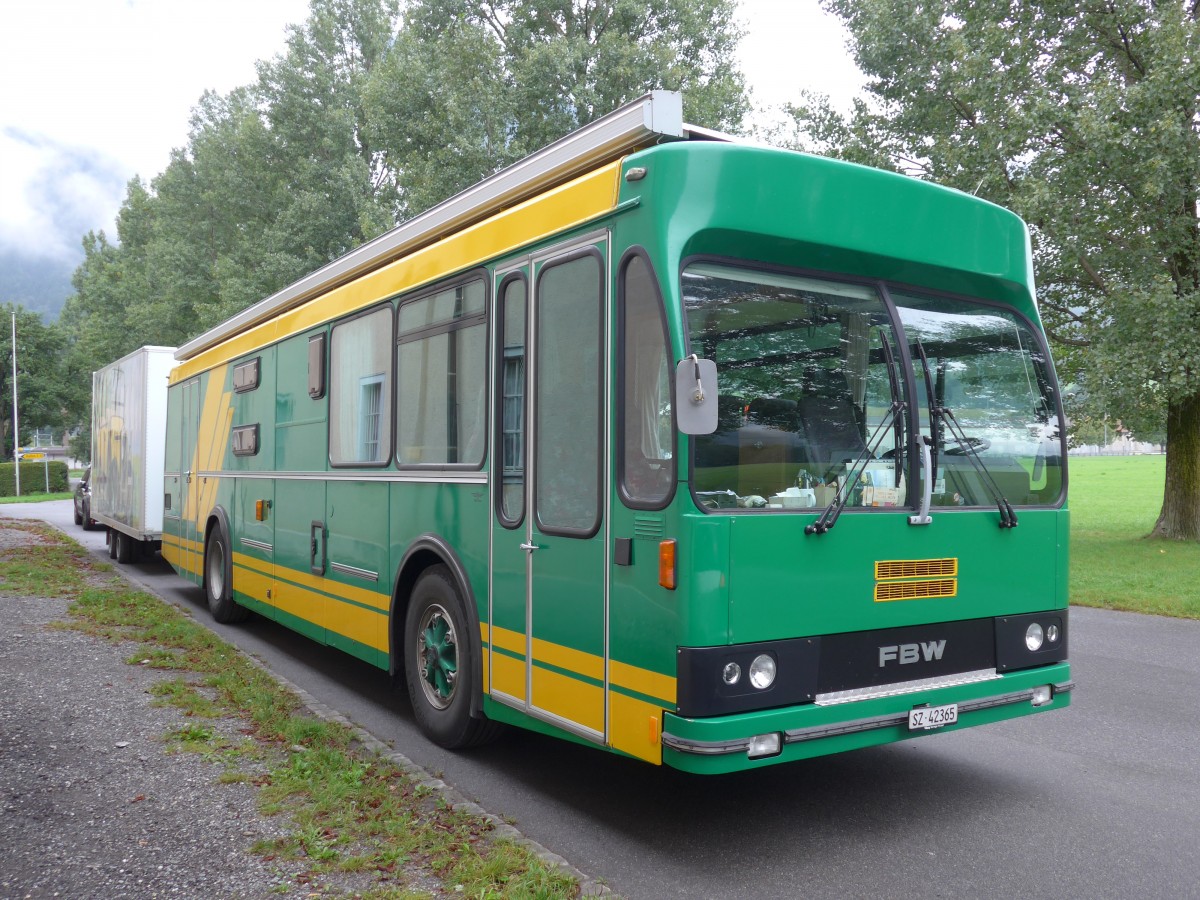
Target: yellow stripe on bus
[373,599]
[570,698]
[622,675]
[635,727]
[652,684]
[253,584]
[508,675]
[558,210]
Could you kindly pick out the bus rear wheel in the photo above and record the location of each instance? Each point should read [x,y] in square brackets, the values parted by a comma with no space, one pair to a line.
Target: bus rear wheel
[218,579]
[438,666]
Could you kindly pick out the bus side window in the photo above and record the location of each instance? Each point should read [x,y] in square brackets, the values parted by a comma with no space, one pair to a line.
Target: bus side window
[360,408]
[647,470]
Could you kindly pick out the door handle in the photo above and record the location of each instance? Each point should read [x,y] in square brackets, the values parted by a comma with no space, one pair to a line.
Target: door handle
[530,547]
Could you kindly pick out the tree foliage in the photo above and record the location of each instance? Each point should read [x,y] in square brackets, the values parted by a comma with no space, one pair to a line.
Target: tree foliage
[367,118]
[47,390]
[1080,115]
[473,85]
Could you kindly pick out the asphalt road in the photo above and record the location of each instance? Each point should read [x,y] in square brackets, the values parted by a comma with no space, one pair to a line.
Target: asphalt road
[1099,800]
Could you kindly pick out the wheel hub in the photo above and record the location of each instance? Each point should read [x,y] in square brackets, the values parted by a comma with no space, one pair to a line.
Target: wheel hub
[437,650]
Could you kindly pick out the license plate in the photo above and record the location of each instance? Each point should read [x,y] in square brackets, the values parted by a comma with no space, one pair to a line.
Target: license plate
[927,717]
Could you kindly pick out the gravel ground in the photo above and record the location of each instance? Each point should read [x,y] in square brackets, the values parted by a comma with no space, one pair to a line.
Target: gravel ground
[93,805]
[93,800]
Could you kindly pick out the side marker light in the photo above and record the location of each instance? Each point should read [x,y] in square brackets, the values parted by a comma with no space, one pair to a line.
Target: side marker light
[666,564]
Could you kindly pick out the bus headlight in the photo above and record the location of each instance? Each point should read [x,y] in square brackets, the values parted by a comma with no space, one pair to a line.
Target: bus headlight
[1033,637]
[762,671]
[732,673]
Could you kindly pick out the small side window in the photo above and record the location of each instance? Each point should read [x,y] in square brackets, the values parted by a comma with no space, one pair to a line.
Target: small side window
[316,366]
[245,440]
[245,376]
[511,402]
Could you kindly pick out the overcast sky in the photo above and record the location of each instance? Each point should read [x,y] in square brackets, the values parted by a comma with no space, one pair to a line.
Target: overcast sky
[93,92]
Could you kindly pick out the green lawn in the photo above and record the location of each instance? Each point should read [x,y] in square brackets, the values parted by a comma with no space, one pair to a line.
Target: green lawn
[37,498]
[1114,502]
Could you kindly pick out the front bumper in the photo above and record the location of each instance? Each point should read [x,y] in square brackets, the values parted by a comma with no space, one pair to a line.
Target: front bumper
[722,743]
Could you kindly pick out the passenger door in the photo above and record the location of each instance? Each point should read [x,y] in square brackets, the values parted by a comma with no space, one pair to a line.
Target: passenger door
[560,498]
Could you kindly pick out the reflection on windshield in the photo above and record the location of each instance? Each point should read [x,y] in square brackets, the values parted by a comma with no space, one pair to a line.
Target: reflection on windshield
[989,370]
[807,373]
[804,380]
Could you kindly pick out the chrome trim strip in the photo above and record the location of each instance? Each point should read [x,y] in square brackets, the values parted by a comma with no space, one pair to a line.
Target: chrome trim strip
[472,477]
[354,571]
[832,698]
[855,726]
[258,545]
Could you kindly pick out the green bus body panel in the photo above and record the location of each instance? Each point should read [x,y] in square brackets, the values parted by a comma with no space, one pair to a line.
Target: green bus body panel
[786,583]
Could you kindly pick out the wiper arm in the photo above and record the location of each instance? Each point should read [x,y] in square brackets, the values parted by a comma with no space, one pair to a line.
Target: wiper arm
[1008,518]
[829,515]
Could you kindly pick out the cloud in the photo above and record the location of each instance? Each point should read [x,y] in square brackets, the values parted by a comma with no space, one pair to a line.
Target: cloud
[51,193]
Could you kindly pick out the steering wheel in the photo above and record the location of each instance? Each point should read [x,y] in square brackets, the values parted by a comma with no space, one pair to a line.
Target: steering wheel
[975,443]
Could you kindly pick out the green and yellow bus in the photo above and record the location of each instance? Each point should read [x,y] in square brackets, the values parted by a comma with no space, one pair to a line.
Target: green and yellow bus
[706,453]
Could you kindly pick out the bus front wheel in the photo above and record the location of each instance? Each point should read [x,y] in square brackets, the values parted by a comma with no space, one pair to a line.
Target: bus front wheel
[218,579]
[438,666]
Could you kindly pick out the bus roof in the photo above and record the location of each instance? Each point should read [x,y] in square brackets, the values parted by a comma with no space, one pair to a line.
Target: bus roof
[649,120]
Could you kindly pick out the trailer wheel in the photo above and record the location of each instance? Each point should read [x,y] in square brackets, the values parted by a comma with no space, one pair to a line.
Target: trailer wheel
[110,536]
[124,547]
[218,579]
[438,666]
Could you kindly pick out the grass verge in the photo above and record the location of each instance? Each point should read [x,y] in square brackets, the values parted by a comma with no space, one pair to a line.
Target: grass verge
[1115,501]
[351,812]
[37,498]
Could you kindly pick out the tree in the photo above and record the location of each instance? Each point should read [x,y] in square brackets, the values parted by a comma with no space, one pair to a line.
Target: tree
[1081,116]
[44,392]
[472,85]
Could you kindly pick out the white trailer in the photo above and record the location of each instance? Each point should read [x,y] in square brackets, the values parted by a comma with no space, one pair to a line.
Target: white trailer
[129,428]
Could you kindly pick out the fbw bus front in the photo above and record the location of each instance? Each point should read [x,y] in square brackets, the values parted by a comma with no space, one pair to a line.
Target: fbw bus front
[709,454]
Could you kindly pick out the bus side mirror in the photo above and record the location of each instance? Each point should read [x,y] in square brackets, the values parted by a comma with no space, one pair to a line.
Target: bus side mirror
[696,395]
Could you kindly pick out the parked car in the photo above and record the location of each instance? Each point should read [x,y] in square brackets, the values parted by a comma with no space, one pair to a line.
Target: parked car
[83,501]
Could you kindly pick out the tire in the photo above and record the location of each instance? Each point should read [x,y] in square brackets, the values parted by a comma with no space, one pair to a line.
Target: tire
[218,579]
[124,548]
[89,524]
[438,667]
[111,537]
[79,518]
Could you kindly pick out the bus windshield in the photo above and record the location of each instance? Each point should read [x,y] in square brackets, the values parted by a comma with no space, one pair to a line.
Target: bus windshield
[810,384]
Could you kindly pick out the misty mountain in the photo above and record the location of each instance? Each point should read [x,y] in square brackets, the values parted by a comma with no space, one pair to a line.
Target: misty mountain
[40,284]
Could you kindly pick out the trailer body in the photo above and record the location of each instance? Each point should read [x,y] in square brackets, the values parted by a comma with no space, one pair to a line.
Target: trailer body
[129,421]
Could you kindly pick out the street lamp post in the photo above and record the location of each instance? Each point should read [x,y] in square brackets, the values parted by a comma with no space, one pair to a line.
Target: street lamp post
[16,433]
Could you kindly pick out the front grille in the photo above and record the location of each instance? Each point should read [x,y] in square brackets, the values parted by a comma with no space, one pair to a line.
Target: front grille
[915,568]
[915,590]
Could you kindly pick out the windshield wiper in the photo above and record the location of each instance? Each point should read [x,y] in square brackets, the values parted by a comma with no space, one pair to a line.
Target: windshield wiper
[943,415]
[1008,518]
[829,515]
